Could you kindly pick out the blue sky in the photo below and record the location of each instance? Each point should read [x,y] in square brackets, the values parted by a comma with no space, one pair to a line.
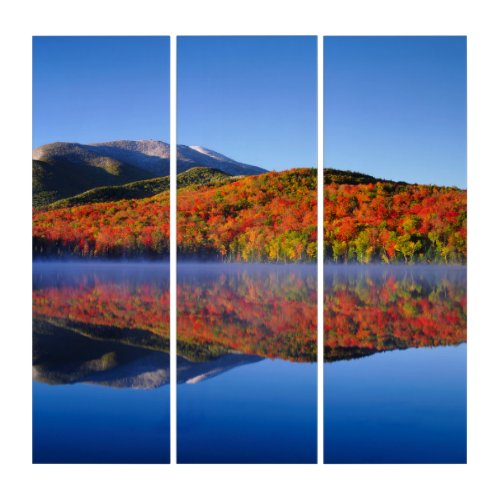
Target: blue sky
[253,99]
[93,89]
[395,107]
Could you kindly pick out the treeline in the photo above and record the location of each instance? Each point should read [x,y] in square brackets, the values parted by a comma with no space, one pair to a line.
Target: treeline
[272,217]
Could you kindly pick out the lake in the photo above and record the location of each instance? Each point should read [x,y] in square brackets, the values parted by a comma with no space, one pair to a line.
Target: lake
[395,364]
[101,363]
[394,373]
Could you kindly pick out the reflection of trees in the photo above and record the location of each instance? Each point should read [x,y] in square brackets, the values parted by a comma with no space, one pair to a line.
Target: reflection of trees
[269,314]
[368,313]
[121,305]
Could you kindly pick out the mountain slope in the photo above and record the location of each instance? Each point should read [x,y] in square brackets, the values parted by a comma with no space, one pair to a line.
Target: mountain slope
[63,169]
[154,157]
[132,191]
[205,176]
[193,178]
[151,156]
[51,182]
[334,176]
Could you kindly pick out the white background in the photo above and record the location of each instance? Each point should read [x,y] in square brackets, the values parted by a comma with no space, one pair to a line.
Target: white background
[478,20]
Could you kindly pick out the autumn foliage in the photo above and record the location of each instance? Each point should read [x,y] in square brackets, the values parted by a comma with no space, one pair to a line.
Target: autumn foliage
[270,217]
[391,222]
[126,228]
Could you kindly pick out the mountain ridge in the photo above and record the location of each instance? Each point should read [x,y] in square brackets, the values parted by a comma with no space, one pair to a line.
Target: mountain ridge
[65,169]
[150,155]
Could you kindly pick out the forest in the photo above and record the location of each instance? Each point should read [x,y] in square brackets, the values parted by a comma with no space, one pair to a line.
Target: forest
[116,229]
[270,217]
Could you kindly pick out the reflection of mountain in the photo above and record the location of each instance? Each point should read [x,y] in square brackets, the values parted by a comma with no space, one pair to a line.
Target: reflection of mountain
[105,324]
[63,356]
[109,325]
[193,373]
[66,356]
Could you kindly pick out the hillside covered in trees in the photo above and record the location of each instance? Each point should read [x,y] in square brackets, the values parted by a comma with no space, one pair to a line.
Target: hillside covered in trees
[268,217]
[272,217]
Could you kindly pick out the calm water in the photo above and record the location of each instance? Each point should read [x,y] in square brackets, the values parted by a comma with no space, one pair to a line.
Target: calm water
[395,364]
[101,363]
[252,331]
[395,371]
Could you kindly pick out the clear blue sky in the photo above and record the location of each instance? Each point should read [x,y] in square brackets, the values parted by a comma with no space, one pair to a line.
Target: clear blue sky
[253,99]
[395,107]
[93,89]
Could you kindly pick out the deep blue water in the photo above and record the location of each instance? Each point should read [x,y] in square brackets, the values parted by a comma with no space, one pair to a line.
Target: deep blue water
[260,413]
[100,390]
[397,407]
[400,406]
[84,423]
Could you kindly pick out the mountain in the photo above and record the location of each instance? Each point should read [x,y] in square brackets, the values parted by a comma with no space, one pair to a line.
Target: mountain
[154,157]
[65,169]
[147,157]
[150,156]
[197,156]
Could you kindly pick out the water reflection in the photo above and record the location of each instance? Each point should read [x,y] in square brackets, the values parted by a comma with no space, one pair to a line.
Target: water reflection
[254,310]
[374,309]
[107,324]
[100,333]
[396,392]
[246,363]
[264,315]
[267,311]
